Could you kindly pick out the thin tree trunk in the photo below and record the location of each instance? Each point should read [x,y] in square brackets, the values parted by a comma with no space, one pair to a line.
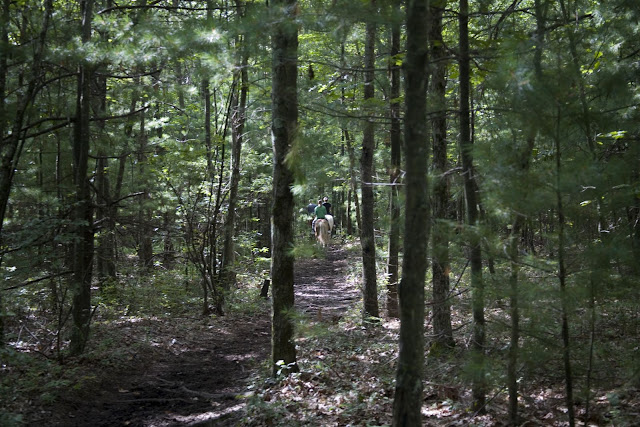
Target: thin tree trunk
[478,341]
[354,181]
[367,237]
[442,330]
[237,137]
[82,213]
[394,175]
[145,248]
[513,251]
[353,188]
[105,256]
[591,143]
[4,194]
[407,404]
[284,128]
[105,251]
[10,145]
[349,220]
[514,310]
[562,278]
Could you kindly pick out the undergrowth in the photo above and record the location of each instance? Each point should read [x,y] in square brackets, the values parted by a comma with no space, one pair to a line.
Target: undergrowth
[346,377]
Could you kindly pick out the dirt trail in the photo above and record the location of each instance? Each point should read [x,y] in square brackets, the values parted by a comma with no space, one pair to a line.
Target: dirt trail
[191,374]
[321,286]
[190,371]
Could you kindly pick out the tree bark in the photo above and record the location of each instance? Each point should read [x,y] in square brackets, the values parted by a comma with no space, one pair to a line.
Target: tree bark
[4,43]
[284,129]
[237,137]
[523,162]
[145,246]
[395,137]
[354,185]
[407,404]
[442,330]
[562,279]
[105,211]
[11,143]
[367,237]
[82,213]
[466,147]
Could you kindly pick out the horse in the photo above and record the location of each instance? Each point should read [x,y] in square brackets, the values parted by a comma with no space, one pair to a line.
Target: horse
[322,232]
[330,219]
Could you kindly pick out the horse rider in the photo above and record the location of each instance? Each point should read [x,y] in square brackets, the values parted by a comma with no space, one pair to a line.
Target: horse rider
[311,207]
[326,204]
[320,212]
[329,215]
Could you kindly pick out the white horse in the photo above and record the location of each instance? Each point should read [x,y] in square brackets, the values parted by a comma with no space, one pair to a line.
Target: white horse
[322,232]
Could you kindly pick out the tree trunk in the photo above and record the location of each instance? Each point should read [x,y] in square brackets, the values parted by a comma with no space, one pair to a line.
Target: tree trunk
[442,330]
[349,221]
[478,341]
[4,43]
[105,250]
[284,128]
[562,278]
[394,175]
[82,212]
[237,136]
[407,404]
[367,237]
[354,184]
[10,145]
[512,249]
[145,246]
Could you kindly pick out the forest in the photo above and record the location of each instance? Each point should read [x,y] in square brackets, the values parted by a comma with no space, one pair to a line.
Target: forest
[481,159]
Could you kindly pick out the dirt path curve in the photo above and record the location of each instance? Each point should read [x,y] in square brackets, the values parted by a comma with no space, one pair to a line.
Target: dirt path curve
[190,372]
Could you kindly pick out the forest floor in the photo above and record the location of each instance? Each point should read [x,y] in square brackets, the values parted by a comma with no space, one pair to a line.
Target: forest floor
[184,371]
[213,371]
[163,372]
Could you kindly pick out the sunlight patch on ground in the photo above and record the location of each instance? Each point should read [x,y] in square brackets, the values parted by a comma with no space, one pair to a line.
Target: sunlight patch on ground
[134,319]
[208,418]
[392,325]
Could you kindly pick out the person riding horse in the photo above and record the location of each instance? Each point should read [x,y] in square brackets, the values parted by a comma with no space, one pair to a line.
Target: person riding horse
[326,204]
[321,225]
[320,212]
[329,215]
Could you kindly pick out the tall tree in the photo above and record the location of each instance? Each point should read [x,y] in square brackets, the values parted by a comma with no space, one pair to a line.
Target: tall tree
[284,130]
[522,164]
[105,209]
[395,137]
[11,133]
[82,212]
[442,330]
[562,277]
[367,237]
[238,119]
[407,404]
[475,254]
[4,44]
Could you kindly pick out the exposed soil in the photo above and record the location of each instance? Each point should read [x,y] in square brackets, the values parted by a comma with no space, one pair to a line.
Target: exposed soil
[190,371]
[321,286]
